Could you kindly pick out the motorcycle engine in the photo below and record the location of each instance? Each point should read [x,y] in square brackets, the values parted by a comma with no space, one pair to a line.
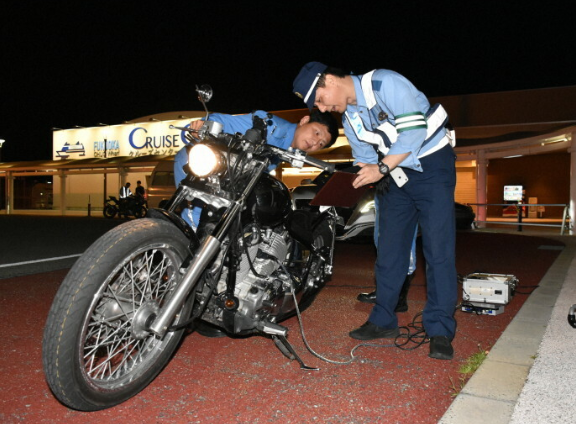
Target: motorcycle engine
[261,284]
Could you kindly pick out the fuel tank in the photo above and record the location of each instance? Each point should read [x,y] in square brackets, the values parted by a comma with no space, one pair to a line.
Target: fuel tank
[269,203]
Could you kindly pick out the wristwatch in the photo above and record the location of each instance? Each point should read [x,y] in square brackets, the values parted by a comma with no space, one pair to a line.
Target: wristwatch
[383,168]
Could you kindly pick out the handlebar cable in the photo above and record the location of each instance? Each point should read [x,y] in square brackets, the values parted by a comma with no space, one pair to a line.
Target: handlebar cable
[419,337]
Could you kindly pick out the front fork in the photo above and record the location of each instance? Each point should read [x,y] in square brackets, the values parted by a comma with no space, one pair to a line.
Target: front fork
[207,252]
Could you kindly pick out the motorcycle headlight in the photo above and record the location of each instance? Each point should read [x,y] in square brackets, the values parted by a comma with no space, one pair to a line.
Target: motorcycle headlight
[204,161]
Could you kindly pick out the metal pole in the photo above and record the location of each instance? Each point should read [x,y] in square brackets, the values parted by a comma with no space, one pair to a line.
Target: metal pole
[105,176]
[520,216]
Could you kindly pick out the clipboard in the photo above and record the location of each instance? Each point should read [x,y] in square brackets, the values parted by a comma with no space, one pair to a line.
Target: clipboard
[338,191]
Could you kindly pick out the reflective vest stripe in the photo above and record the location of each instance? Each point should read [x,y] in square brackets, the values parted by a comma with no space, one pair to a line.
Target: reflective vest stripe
[410,121]
[386,133]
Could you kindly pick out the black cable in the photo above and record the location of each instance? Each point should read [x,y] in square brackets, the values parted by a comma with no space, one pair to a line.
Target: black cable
[527,287]
[417,338]
[250,263]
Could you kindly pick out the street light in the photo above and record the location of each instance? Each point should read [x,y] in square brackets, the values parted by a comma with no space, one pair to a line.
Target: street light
[1,143]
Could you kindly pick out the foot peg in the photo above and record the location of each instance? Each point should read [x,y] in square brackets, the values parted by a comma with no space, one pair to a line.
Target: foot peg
[287,350]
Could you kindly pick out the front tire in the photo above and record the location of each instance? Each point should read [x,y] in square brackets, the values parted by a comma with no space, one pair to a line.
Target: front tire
[96,349]
[110,211]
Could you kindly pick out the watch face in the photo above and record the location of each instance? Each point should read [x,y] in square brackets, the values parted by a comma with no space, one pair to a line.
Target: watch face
[383,168]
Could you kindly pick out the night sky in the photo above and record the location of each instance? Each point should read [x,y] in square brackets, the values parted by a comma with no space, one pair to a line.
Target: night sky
[65,63]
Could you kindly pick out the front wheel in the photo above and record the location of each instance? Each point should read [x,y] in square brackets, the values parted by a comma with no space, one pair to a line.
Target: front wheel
[97,351]
[110,211]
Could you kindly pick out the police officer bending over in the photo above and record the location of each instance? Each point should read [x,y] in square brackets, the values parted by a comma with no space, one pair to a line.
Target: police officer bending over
[313,132]
[401,142]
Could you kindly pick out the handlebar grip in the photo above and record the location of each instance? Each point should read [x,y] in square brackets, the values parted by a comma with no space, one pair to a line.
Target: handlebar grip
[328,167]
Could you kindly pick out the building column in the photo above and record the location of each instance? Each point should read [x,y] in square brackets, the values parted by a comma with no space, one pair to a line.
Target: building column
[122,177]
[62,176]
[9,193]
[571,205]
[481,177]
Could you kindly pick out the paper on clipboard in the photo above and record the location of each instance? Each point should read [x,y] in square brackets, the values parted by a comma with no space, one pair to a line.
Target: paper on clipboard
[338,191]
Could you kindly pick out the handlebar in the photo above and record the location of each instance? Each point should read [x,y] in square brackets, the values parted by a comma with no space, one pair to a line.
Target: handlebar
[295,156]
[325,166]
[299,157]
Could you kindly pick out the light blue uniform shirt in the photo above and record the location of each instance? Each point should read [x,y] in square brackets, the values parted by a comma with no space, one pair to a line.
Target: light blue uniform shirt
[280,134]
[396,96]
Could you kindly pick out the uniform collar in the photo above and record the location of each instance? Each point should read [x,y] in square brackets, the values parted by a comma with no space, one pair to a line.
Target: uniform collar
[360,100]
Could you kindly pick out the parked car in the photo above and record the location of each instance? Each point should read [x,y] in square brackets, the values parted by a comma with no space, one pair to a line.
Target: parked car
[465,216]
[161,185]
[357,223]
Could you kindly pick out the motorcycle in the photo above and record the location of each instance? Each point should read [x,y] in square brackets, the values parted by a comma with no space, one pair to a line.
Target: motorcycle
[130,206]
[252,262]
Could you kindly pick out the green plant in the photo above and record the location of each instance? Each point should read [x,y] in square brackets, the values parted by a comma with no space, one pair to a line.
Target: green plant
[468,368]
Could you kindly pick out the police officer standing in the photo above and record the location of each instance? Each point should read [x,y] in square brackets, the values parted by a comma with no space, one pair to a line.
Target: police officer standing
[125,191]
[126,200]
[402,143]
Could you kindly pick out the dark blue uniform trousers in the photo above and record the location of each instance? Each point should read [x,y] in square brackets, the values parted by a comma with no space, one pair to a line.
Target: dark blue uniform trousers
[426,199]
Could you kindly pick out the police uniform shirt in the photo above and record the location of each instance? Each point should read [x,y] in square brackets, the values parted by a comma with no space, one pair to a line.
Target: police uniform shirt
[280,133]
[396,96]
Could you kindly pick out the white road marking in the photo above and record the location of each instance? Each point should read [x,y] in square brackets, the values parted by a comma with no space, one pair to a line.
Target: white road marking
[40,260]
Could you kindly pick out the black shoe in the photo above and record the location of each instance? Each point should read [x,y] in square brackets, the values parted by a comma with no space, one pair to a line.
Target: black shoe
[402,305]
[209,330]
[441,348]
[369,331]
[367,297]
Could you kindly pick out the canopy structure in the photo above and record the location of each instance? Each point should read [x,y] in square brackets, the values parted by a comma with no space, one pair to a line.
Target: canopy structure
[488,126]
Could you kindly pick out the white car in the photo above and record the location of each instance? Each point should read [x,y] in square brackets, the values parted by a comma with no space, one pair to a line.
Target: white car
[357,223]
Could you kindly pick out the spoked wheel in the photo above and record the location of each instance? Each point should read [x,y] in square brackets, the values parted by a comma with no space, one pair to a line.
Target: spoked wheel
[97,351]
[110,211]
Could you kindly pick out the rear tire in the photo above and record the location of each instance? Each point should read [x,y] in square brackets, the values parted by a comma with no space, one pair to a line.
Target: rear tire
[140,211]
[96,349]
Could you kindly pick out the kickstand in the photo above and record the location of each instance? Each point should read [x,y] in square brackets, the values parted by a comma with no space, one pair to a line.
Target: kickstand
[286,348]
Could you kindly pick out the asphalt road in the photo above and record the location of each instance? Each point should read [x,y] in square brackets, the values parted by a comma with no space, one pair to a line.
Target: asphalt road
[35,244]
[36,252]
[241,380]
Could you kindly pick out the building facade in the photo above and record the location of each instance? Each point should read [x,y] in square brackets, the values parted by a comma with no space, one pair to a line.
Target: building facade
[523,138]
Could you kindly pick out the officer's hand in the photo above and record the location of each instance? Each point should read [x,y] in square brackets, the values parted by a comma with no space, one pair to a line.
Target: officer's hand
[196,125]
[369,173]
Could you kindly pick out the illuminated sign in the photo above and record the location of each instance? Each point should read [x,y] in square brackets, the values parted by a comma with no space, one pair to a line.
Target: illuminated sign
[140,139]
[513,193]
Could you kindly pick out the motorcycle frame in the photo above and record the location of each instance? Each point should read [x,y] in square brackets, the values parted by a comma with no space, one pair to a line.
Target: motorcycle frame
[207,252]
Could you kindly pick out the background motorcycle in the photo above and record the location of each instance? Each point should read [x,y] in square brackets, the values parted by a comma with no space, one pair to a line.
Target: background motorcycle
[121,312]
[131,206]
